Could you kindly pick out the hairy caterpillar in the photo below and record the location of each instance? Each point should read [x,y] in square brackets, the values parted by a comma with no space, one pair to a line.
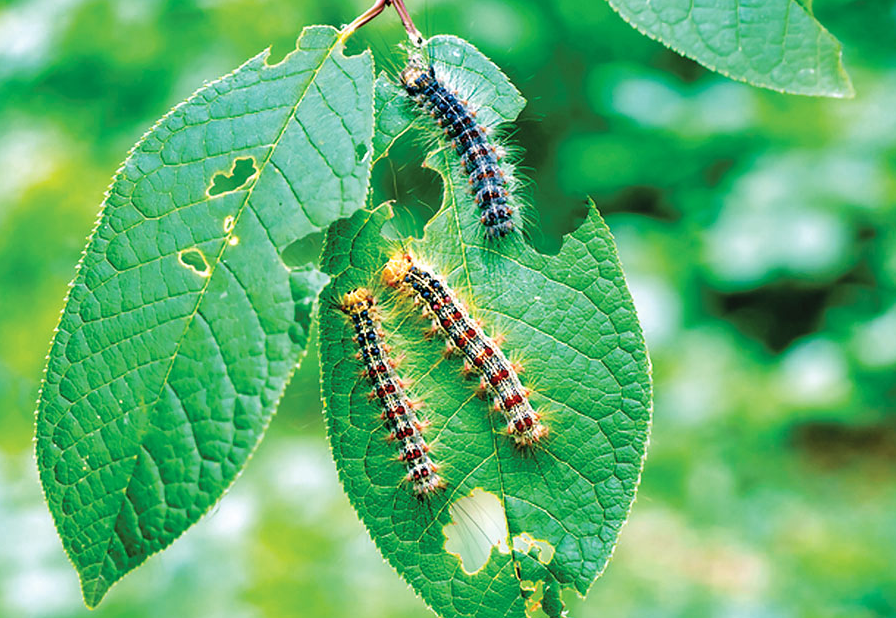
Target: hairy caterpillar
[482,354]
[479,157]
[398,411]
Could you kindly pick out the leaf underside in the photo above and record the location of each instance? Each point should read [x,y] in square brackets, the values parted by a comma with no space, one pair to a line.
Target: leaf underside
[183,324]
[570,321]
[774,44]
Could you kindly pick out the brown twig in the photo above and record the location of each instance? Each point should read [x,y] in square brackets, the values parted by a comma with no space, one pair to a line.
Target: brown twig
[365,17]
[378,7]
[410,28]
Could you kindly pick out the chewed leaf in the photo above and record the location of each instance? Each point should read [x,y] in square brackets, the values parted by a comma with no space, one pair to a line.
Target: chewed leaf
[184,324]
[393,115]
[775,44]
[509,521]
[570,321]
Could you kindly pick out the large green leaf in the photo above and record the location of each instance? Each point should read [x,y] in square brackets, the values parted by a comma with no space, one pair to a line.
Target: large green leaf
[507,519]
[775,44]
[183,324]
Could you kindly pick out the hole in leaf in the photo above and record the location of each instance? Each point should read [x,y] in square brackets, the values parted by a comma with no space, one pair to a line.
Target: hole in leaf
[543,599]
[361,152]
[242,170]
[279,51]
[524,543]
[194,259]
[413,189]
[305,250]
[478,525]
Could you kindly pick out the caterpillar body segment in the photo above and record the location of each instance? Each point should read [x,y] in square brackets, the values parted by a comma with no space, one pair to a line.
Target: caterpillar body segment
[398,410]
[481,353]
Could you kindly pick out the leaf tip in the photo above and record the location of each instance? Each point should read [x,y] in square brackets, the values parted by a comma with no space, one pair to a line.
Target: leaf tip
[93,591]
[847,90]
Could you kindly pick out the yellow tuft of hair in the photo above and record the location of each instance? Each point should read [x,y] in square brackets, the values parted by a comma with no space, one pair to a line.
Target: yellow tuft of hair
[397,269]
[356,296]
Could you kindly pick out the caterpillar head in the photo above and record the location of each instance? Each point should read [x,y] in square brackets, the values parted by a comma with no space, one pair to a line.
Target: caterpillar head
[356,301]
[397,269]
[416,74]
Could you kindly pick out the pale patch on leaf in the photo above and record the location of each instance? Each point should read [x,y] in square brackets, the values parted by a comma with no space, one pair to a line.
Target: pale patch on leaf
[478,525]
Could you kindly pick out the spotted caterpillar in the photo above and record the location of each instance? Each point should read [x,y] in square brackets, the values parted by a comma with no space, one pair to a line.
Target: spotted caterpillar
[479,157]
[398,409]
[482,354]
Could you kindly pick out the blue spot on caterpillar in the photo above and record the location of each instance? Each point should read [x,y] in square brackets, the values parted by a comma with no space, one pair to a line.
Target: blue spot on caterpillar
[478,155]
[482,354]
[398,411]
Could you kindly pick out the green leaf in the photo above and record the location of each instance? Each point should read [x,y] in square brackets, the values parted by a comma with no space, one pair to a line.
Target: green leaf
[775,44]
[506,520]
[393,116]
[183,324]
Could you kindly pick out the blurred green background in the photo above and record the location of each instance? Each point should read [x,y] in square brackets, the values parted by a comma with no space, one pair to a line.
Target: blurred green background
[758,232]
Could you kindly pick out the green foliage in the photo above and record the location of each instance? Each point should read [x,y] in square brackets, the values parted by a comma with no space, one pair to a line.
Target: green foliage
[571,321]
[775,44]
[184,325]
[580,343]
[392,118]
[758,236]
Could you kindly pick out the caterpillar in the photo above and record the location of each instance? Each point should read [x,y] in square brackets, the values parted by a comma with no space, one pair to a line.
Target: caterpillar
[398,410]
[481,353]
[479,157]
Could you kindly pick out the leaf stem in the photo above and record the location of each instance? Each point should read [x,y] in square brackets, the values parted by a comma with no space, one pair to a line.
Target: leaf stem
[378,7]
[410,28]
[364,18]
